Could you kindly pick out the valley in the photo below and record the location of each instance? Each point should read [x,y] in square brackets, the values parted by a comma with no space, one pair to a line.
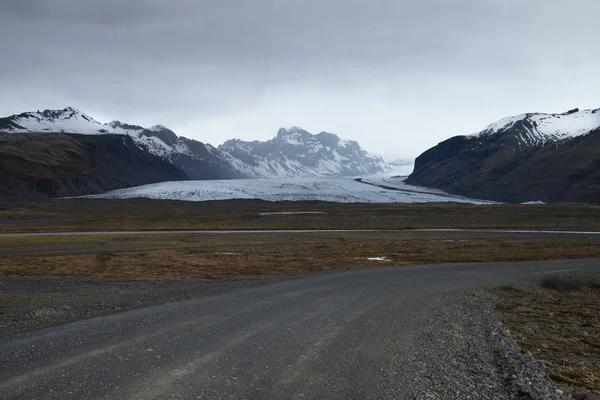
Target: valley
[48,280]
[339,200]
[292,153]
[532,157]
[149,221]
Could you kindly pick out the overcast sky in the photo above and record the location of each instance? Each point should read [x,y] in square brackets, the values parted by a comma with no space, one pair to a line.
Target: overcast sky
[397,75]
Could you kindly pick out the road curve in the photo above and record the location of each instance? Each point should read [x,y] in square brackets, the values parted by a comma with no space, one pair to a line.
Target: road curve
[342,335]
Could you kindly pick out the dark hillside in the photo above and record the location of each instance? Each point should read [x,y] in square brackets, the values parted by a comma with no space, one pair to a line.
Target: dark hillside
[568,170]
[58,164]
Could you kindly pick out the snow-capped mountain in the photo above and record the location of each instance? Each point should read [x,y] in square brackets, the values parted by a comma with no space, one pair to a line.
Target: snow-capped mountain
[295,152]
[534,129]
[158,140]
[292,152]
[528,157]
[199,161]
[68,120]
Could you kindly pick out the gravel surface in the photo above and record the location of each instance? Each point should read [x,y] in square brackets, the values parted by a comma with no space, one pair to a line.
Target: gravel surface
[28,304]
[466,353]
[423,332]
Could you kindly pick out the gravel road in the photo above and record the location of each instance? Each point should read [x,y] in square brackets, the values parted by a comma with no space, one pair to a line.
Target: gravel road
[422,332]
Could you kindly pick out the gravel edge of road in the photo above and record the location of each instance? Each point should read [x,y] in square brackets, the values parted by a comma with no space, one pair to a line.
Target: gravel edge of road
[50,302]
[466,353]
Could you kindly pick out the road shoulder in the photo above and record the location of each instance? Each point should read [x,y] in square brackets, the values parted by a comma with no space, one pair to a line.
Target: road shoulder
[464,354]
[29,304]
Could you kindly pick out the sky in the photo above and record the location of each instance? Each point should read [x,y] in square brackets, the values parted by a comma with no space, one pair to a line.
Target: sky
[398,76]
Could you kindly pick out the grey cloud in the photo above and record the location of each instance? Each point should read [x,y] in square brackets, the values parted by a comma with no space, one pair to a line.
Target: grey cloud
[199,64]
[265,31]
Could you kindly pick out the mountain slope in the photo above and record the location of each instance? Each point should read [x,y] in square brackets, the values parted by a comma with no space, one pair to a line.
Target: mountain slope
[536,129]
[295,152]
[548,157]
[58,164]
[199,161]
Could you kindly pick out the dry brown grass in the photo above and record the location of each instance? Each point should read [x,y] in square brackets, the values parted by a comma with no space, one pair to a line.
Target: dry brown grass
[144,214]
[568,284]
[223,256]
[558,322]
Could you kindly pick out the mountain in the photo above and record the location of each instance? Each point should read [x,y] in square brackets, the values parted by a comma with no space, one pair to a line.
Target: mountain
[59,164]
[295,152]
[292,152]
[199,161]
[528,157]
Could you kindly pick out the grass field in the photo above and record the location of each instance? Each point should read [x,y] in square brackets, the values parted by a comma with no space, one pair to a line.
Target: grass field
[240,254]
[232,255]
[558,322]
[144,214]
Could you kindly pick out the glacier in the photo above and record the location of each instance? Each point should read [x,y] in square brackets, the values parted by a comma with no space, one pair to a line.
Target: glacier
[370,189]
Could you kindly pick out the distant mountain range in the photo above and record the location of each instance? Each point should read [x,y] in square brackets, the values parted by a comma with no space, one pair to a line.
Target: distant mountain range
[292,153]
[295,152]
[523,158]
[528,157]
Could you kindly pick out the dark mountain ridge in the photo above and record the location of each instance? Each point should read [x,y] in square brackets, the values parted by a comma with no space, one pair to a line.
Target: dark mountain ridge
[291,153]
[532,157]
[58,164]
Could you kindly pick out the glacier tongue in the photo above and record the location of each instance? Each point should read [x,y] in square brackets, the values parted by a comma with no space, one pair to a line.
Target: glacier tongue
[378,189]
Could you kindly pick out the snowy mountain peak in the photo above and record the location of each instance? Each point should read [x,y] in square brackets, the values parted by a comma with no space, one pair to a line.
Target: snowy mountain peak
[532,129]
[159,128]
[293,135]
[157,140]
[69,120]
[332,140]
[298,136]
[293,129]
[293,152]
[67,113]
[296,152]
[163,133]
[122,125]
[114,124]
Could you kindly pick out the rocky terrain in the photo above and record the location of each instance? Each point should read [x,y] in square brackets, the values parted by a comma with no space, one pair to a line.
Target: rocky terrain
[295,152]
[59,164]
[292,153]
[530,157]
